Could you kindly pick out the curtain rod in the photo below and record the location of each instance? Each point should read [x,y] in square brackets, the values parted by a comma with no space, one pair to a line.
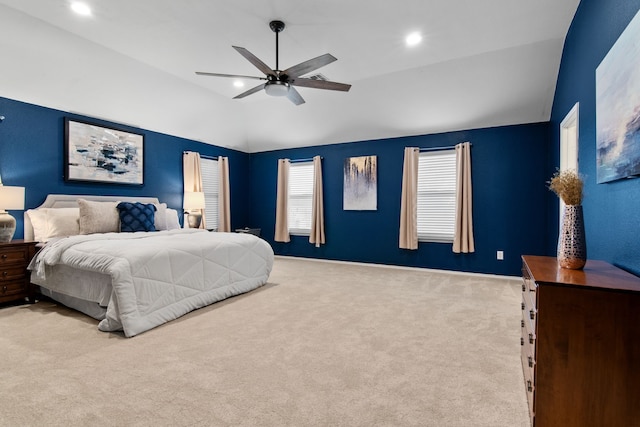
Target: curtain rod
[303,160]
[203,156]
[439,148]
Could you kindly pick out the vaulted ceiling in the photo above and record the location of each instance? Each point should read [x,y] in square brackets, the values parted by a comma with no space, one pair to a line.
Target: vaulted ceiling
[480,64]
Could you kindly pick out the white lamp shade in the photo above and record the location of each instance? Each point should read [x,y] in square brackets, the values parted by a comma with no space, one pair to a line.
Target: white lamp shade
[193,200]
[277,88]
[11,197]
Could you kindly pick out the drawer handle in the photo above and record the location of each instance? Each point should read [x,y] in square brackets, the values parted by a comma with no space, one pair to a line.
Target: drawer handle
[4,256]
[521,341]
[529,386]
[532,314]
[4,289]
[522,323]
[522,305]
[524,288]
[531,339]
[530,359]
[5,273]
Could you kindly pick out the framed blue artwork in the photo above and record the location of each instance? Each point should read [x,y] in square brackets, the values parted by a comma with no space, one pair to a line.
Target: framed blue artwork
[94,153]
[618,107]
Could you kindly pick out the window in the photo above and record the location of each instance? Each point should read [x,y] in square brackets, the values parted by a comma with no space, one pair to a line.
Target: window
[436,196]
[300,198]
[209,172]
[569,144]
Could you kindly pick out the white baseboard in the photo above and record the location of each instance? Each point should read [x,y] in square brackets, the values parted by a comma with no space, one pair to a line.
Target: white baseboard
[403,267]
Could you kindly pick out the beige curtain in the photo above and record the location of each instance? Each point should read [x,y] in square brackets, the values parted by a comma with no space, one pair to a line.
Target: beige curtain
[317,211]
[282,226]
[224,199]
[463,234]
[409,203]
[192,176]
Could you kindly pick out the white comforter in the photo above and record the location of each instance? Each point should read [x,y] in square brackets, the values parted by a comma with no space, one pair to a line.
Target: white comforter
[158,277]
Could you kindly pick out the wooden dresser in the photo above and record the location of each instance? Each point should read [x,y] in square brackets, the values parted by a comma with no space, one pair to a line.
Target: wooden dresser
[15,256]
[580,344]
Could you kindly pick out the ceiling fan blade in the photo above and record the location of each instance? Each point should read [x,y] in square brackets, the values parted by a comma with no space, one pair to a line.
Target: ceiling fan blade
[235,76]
[320,84]
[294,96]
[310,65]
[255,61]
[250,91]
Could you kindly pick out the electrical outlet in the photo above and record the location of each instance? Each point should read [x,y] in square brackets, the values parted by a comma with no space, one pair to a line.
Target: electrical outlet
[500,255]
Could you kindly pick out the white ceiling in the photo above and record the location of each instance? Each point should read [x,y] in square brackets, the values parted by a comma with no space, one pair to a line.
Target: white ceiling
[482,63]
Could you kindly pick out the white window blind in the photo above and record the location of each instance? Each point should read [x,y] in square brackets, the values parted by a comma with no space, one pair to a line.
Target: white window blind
[300,197]
[436,196]
[209,172]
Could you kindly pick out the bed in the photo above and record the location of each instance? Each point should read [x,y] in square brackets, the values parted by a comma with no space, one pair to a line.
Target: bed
[135,281]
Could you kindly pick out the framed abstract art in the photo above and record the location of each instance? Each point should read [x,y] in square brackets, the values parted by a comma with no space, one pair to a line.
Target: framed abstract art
[94,153]
[618,107]
[360,183]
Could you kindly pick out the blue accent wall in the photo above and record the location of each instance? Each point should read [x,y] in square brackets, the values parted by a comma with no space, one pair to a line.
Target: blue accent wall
[31,155]
[510,166]
[611,210]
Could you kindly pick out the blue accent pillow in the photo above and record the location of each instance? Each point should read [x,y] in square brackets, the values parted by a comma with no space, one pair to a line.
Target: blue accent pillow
[136,216]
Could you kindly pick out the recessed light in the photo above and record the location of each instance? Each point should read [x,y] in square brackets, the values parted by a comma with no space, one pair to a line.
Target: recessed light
[238,83]
[81,8]
[413,39]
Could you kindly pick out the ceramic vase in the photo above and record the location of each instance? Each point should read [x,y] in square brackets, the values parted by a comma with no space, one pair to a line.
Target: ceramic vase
[572,244]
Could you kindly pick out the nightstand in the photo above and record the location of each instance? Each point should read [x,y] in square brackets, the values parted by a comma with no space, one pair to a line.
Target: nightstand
[15,284]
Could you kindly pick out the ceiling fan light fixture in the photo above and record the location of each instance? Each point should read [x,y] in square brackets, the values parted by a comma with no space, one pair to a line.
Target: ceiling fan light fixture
[277,88]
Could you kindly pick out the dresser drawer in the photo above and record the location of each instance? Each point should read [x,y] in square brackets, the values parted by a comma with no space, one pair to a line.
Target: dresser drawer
[8,272]
[529,290]
[14,255]
[528,349]
[528,340]
[13,288]
[530,386]
[529,313]
[528,358]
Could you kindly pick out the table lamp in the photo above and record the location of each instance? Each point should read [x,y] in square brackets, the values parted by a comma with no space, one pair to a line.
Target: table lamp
[10,198]
[193,203]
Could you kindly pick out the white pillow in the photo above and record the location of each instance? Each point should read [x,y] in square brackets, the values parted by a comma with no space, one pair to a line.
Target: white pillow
[50,222]
[98,217]
[172,219]
[160,218]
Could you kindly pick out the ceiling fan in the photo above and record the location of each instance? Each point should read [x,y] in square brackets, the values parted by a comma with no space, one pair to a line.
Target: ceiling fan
[282,82]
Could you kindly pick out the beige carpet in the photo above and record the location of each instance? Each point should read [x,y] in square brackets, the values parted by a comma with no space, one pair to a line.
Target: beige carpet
[323,344]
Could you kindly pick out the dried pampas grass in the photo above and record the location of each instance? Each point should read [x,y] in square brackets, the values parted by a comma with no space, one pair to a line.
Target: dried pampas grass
[568,186]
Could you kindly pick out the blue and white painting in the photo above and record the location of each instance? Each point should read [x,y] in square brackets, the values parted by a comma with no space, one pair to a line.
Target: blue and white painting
[360,183]
[618,107]
[100,154]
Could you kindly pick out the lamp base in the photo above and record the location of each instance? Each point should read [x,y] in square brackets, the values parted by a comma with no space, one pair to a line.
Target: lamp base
[7,227]
[194,220]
